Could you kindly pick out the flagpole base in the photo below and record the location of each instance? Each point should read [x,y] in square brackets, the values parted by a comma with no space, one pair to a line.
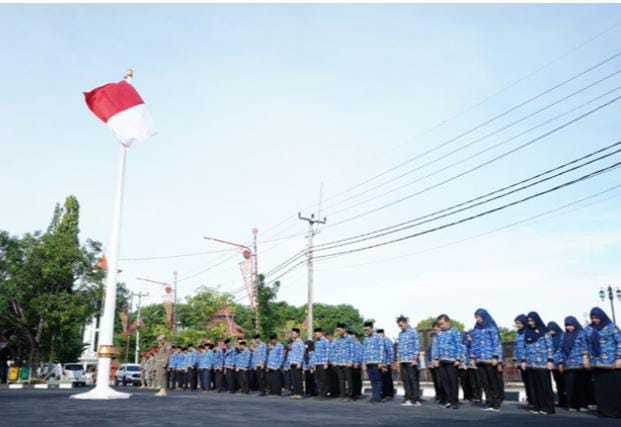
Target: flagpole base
[101,393]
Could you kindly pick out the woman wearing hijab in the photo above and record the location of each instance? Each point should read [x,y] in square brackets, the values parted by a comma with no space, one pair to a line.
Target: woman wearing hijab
[557,337]
[486,353]
[573,357]
[518,351]
[604,342]
[537,360]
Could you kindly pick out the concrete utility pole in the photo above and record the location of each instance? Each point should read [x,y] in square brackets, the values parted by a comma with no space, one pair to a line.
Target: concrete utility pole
[255,281]
[309,254]
[174,310]
[139,295]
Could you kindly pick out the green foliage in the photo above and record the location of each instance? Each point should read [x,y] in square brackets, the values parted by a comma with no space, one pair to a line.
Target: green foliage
[48,287]
[506,334]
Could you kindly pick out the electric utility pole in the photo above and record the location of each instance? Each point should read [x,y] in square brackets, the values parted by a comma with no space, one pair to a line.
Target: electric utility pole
[138,320]
[309,254]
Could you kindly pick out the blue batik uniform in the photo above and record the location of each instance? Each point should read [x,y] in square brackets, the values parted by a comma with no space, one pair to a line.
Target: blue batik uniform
[571,356]
[357,359]
[408,345]
[538,353]
[242,359]
[275,357]
[604,345]
[373,349]
[296,354]
[447,346]
[207,361]
[389,353]
[486,344]
[322,351]
[259,356]
[192,359]
[229,357]
[182,362]
[332,352]
[218,358]
[344,351]
[172,361]
[518,347]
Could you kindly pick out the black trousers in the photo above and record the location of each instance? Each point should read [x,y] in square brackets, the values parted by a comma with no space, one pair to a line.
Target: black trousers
[440,397]
[559,379]
[193,378]
[410,379]
[388,384]
[356,380]
[607,385]
[297,380]
[524,376]
[345,381]
[309,383]
[242,380]
[540,383]
[261,380]
[219,385]
[321,381]
[474,383]
[170,378]
[274,378]
[447,379]
[333,376]
[231,384]
[182,379]
[576,388]
[491,384]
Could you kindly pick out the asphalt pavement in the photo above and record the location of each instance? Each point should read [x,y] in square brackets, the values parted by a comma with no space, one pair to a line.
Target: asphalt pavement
[54,408]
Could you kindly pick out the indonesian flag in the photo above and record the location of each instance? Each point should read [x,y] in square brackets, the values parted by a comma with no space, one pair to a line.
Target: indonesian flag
[120,106]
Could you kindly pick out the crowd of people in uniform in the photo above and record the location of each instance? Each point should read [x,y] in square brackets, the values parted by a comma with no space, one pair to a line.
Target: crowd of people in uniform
[584,362]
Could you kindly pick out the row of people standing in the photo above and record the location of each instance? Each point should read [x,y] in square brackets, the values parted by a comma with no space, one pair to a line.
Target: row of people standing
[585,363]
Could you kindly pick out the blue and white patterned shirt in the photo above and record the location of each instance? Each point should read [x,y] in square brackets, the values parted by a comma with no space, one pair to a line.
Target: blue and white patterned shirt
[389,351]
[344,351]
[447,346]
[408,345]
[486,344]
[539,353]
[573,359]
[373,349]
[518,347]
[296,354]
[229,357]
[242,359]
[259,356]
[275,357]
[357,352]
[322,351]
[192,359]
[610,346]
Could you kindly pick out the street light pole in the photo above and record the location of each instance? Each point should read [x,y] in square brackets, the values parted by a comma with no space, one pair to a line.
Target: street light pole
[139,295]
[610,293]
[255,282]
[311,233]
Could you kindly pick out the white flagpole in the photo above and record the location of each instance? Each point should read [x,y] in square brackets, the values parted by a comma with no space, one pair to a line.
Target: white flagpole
[104,351]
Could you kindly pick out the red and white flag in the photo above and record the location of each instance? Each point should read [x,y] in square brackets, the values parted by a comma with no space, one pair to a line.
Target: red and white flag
[120,106]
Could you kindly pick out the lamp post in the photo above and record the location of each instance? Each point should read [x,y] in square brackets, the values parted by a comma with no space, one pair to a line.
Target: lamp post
[610,293]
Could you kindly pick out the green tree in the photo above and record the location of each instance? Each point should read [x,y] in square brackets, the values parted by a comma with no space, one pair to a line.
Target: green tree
[428,322]
[506,334]
[46,286]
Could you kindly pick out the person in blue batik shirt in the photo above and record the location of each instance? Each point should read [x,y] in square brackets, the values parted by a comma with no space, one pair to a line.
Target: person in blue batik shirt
[275,359]
[573,357]
[518,351]
[604,342]
[218,367]
[408,349]
[259,360]
[447,353]
[333,374]
[308,365]
[322,360]
[373,359]
[537,360]
[356,375]
[557,337]
[388,390]
[486,353]
[192,368]
[296,358]
[242,364]
[229,366]
[344,361]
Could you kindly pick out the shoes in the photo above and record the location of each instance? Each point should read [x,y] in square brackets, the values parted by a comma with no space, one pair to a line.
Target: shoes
[491,409]
[417,403]
[407,403]
[532,411]
[447,405]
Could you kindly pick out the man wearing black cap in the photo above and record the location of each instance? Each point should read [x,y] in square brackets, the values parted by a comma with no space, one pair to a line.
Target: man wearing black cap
[242,364]
[389,385]
[259,360]
[275,359]
[296,357]
[322,354]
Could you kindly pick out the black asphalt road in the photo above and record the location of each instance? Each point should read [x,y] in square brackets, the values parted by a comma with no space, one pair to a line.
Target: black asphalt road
[54,408]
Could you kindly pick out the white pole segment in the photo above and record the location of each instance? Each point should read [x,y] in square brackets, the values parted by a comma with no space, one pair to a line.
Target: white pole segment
[104,353]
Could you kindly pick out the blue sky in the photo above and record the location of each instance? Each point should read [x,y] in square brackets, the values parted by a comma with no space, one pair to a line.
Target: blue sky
[256,105]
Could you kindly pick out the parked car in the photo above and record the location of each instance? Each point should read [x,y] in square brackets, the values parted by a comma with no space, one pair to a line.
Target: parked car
[128,373]
[74,372]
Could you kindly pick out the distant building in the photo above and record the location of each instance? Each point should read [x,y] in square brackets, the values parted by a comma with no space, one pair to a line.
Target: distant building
[224,318]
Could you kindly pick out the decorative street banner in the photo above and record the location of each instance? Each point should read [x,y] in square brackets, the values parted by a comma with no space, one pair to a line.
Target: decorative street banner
[246,270]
